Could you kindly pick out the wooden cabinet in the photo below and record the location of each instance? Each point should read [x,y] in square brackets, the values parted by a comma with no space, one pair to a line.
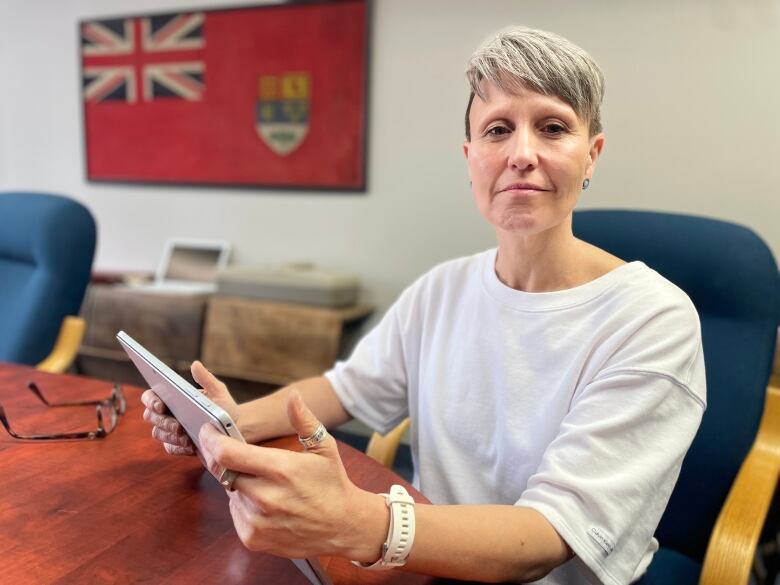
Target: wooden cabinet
[272,342]
[170,326]
[262,343]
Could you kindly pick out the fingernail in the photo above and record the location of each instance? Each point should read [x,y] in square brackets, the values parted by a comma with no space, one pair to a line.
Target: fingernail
[158,406]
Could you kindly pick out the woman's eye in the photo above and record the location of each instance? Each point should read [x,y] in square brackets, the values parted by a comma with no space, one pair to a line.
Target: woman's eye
[497,131]
[554,128]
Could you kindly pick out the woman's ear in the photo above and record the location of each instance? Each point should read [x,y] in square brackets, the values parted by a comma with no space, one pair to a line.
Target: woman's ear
[596,146]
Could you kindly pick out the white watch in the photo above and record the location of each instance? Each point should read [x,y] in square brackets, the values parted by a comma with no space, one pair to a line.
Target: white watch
[400,533]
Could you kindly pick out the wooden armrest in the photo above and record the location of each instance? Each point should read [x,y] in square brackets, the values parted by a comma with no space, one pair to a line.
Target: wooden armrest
[733,542]
[66,346]
[383,449]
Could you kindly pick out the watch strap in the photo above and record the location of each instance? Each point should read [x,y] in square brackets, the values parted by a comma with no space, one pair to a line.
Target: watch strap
[400,532]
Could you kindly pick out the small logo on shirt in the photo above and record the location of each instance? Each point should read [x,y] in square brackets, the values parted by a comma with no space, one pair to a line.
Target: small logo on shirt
[602,539]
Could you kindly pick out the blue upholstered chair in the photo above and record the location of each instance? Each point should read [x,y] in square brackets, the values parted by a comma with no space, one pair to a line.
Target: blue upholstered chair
[47,244]
[732,278]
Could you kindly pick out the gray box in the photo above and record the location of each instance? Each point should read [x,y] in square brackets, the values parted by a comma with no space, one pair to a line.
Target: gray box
[293,283]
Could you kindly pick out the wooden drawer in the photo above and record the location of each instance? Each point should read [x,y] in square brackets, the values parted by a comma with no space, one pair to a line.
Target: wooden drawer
[273,342]
[169,325]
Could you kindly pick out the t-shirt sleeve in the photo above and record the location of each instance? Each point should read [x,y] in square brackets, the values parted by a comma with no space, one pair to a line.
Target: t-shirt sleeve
[605,480]
[372,383]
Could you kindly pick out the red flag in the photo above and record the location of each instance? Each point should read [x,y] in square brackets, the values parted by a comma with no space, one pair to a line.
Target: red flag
[267,96]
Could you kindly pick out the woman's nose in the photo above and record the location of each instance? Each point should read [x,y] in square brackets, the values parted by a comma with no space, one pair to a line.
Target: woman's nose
[523,152]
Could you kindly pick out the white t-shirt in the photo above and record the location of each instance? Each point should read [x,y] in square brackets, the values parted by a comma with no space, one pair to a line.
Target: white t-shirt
[578,403]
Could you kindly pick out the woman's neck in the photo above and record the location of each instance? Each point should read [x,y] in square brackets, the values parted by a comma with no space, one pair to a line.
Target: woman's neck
[549,261]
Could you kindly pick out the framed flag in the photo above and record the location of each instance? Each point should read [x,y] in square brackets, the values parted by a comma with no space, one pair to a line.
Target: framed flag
[265,96]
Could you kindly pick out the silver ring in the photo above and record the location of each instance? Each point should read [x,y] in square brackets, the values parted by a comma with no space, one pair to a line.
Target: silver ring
[315,439]
[227,478]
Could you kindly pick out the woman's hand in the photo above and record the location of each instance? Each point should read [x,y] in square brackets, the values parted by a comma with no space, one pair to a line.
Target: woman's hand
[297,504]
[167,429]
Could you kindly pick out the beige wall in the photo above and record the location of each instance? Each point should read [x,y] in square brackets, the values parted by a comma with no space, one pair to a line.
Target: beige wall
[690,114]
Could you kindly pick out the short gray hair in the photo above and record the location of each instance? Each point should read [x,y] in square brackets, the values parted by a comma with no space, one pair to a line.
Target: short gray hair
[520,57]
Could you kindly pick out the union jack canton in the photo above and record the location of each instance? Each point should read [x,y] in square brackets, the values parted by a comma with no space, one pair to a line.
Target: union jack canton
[162,55]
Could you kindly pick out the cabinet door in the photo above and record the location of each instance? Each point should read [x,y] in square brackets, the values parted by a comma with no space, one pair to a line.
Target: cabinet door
[269,342]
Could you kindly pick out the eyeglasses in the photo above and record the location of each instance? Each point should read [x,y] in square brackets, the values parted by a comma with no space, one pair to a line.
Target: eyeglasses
[116,405]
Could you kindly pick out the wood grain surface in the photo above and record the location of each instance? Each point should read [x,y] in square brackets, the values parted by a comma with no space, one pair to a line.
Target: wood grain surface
[273,342]
[119,510]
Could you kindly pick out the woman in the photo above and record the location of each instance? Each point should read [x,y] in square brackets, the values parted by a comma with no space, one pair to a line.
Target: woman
[553,388]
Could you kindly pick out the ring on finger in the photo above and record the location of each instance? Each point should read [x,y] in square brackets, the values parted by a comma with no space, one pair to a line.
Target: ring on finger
[314,439]
[227,478]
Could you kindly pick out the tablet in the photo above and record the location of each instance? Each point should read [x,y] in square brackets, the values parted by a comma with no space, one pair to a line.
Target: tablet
[187,404]
[193,409]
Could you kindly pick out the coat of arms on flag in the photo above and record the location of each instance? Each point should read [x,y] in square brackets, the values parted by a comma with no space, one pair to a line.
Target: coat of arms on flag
[268,96]
[283,110]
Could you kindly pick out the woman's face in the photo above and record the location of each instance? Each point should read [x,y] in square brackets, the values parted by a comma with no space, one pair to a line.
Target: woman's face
[527,158]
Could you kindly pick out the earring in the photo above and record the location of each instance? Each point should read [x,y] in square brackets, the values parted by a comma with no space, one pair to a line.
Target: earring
[585,184]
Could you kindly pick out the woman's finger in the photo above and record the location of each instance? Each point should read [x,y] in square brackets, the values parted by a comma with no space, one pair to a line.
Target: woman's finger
[166,423]
[211,386]
[178,450]
[180,439]
[306,424]
[221,452]
[247,524]
[153,402]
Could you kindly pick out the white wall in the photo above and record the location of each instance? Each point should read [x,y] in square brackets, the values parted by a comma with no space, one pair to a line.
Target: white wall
[690,114]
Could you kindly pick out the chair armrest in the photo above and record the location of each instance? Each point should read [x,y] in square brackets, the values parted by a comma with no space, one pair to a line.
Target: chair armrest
[733,542]
[383,449]
[66,347]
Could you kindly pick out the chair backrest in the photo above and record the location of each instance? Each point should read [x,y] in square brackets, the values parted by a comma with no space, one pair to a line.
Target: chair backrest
[732,278]
[47,244]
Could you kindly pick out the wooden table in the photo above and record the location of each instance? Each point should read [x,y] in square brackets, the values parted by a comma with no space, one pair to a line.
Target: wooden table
[119,510]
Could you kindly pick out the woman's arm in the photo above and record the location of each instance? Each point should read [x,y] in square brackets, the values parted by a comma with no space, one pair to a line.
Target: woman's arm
[303,504]
[266,417]
[485,543]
